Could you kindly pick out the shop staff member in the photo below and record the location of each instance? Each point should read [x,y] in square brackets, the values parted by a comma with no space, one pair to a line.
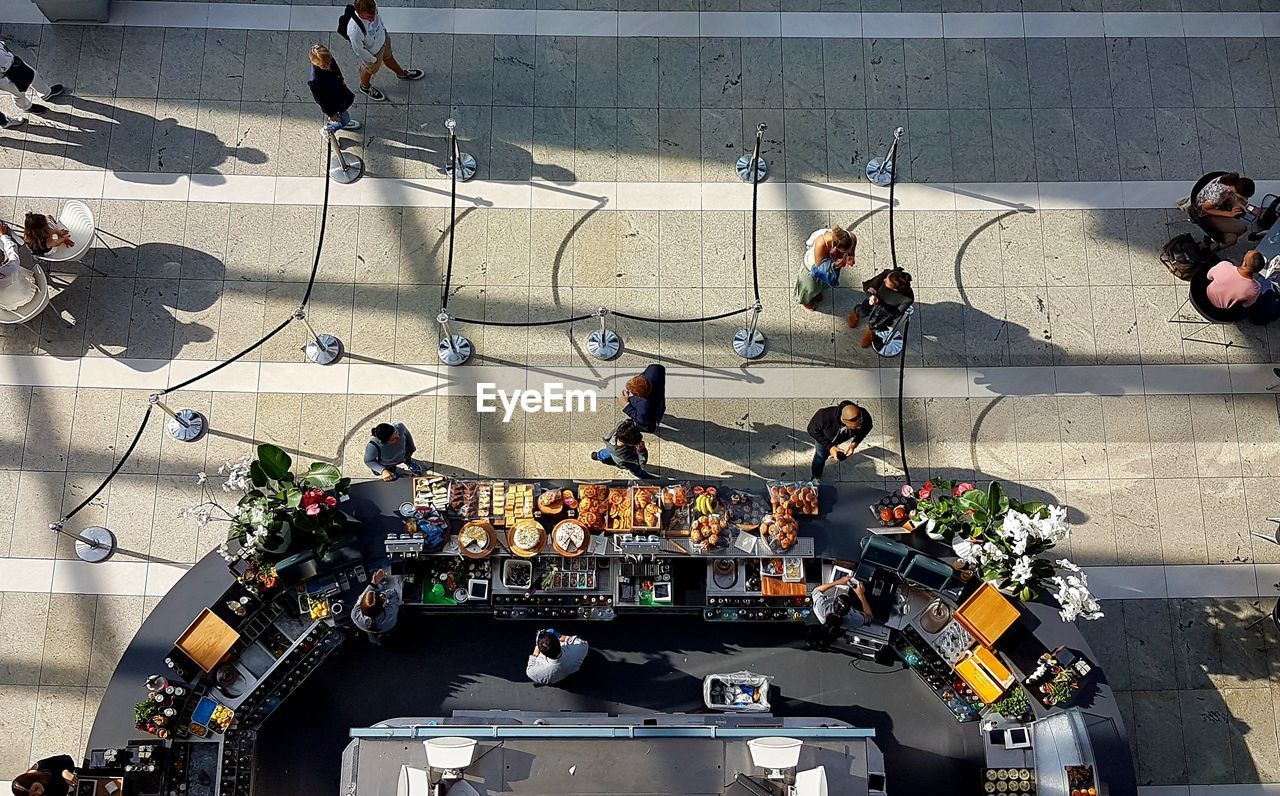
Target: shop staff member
[391,447]
[836,431]
[644,399]
[53,776]
[378,608]
[834,611]
[555,657]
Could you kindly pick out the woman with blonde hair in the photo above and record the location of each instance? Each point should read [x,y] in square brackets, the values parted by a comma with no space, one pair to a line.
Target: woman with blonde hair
[330,91]
[826,252]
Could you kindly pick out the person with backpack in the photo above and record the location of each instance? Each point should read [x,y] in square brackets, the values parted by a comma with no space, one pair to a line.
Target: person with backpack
[361,25]
[826,252]
[330,91]
[624,447]
[889,294]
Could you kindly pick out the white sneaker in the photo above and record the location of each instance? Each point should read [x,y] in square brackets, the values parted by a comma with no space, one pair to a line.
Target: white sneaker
[351,125]
[14,121]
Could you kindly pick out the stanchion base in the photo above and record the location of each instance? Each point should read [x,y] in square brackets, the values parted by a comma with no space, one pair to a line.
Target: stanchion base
[744,169]
[324,349]
[604,346]
[468,169]
[100,544]
[749,344]
[353,171]
[458,353]
[194,428]
[888,345]
[880,172]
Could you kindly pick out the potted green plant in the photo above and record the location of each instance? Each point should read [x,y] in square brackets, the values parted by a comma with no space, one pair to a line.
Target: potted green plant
[1015,705]
[279,512]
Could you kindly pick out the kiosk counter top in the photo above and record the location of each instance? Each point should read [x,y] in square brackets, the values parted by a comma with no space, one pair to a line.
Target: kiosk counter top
[914,718]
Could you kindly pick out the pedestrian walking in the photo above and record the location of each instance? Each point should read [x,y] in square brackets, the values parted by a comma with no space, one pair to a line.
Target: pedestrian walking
[644,399]
[361,25]
[555,657]
[624,447]
[889,294]
[378,608]
[825,252]
[388,449]
[836,432]
[17,78]
[330,91]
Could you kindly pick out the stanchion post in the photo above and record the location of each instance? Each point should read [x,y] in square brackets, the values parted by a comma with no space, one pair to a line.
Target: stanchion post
[753,168]
[322,349]
[603,344]
[343,167]
[93,545]
[880,170]
[185,425]
[460,164]
[454,349]
[749,343]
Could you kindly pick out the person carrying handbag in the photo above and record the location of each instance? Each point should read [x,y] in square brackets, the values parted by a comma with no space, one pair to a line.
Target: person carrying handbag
[826,252]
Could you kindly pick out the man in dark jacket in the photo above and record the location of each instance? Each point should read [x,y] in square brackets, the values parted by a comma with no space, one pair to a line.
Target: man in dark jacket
[644,399]
[836,431]
[330,91]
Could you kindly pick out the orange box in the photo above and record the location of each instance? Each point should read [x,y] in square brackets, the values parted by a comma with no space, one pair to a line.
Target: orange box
[994,666]
[987,614]
[987,689]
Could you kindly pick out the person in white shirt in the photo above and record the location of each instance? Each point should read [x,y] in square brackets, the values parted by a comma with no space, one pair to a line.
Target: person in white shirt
[17,78]
[17,282]
[555,657]
[372,44]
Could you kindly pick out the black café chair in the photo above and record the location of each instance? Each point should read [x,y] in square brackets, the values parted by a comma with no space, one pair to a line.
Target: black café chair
[1210,316]
[1269,211]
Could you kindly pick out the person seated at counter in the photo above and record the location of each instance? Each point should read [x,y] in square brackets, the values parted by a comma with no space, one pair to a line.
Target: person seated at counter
[833,609]
[836,432]
[644,399]
[378,608]
[391,447]
[52,776]
[624,447]
[555,657]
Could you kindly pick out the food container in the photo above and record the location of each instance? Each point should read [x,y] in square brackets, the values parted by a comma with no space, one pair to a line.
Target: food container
[570,538]
[593,500]
[531,533]
[477,539]
[747,509]
[676,506]
[706,500]
[517,574]
[646,508]
[712,532]
[737,692]
[519,502]
[801,498]
[618,514]
[780,533]
[431,492]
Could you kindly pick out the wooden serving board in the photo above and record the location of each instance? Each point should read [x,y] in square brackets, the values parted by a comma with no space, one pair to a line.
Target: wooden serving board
[777,587]
[987,614]
[207,640]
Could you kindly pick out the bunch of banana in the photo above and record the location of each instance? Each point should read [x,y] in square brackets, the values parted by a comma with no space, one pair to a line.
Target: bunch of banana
[705,504]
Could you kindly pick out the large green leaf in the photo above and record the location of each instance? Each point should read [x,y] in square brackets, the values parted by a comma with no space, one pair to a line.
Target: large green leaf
[322,476]
[256,474]
[275,462]
[997,500]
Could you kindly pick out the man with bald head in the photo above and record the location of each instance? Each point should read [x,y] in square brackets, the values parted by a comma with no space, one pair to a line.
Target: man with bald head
[836,431]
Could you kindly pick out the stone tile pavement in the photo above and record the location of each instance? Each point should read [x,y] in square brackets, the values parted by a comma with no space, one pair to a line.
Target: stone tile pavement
[1169,479]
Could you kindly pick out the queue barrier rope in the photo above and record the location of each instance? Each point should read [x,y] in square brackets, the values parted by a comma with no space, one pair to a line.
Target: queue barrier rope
[453,221]
[297,315]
